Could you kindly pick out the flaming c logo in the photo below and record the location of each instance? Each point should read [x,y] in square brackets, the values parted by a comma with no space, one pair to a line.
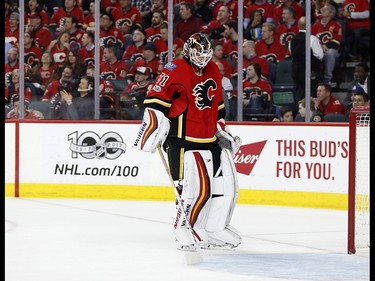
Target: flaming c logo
[247,157]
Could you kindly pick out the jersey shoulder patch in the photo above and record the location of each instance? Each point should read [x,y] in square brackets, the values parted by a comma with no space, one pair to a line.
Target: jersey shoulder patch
[170,66]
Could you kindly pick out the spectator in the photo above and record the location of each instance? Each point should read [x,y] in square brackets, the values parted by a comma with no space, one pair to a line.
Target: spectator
[34,7]
[111,67]
[157,5]
[59,48]
[13,61]
[153,32]
[288,3]
[297,51]
[87,51]
[257,92]
[32,53]
[12,32]
[249,55]
[325,103]
[74,60]
[329,32]
[46,69]
[127,14]
[253,31]
[269,47]
[215,28]
[43,36]
[110,35]
[285,114]
[14,88]
[189,23]
[302,110]
[135,50]
[357,15]
[202,11]
[318,5]
[70,8]
[143,6]
[227,92]
[230,47]
[162,45]
[264,6]
[286,30]
[134,94]
[149,59]
[89,19]
[231,4]
[28,114]
[361,78]
[66,79]
[75,30]
[217,56]
[81,107]
[358,98]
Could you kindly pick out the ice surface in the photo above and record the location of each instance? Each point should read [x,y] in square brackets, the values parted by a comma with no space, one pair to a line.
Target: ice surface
[110,240]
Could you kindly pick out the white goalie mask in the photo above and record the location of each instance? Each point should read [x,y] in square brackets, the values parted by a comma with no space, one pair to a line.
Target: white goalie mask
[198,50]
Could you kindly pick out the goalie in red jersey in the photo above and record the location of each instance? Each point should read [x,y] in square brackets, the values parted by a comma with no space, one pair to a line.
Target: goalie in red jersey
[184,112]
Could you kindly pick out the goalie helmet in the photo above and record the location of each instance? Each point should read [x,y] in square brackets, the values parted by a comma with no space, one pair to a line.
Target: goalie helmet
[198,50]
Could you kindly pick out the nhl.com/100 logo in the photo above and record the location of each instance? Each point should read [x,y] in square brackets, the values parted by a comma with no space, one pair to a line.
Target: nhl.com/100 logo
[90,145]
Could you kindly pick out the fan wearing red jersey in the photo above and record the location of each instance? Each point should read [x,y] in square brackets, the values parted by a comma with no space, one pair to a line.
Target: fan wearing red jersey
[184,112]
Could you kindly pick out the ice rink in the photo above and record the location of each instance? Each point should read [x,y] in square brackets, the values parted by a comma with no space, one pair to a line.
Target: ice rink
[104,240]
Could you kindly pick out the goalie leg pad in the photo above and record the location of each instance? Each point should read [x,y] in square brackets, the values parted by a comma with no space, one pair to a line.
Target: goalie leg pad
[224,198]
[154,130]
[195,197]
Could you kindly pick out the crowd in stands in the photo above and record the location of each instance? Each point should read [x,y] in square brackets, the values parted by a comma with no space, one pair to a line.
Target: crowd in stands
[59,54]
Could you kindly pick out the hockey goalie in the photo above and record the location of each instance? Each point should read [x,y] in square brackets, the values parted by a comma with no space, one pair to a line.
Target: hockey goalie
[184,113]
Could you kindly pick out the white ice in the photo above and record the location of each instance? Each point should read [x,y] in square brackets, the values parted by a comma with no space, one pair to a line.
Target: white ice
[114,240]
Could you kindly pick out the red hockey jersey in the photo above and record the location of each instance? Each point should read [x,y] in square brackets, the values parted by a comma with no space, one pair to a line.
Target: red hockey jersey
[193,103]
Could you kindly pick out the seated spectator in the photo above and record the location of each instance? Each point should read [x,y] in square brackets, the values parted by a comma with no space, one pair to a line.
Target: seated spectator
[149,59]
[153,32]
[357,16]
[46,69]
[285,114]
[14,88]
[253,31]
[74,60]
[12,32]
[288,3]
[264,6]
[13,62]
[249,55]
[329,32]
[201,10]
[89,19]
[162,45]
[81,107]
[361,78]
[316,7]
[215,6]
[269,47]
[43,36]
[134,94]
[286,30]
[189,23]
[127,14]
[28,114]
[314,115]
[111,67]
[217,56]
[59,48]
[257,92]
[110,35]
[359,98]
[75,30]
[70,8]
[65,79]
[215,28]
[87,51]
[32,53]
[135,50]
[230,47]
[325,103]
[160,5]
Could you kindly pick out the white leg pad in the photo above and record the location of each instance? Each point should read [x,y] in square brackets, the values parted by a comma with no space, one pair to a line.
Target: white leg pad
[195,197]
[225,193]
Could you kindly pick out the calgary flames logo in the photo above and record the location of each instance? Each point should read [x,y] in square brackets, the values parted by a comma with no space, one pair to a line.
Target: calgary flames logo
[203,97]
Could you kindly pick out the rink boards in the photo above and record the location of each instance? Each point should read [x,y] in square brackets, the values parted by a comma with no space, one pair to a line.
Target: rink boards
[297,164]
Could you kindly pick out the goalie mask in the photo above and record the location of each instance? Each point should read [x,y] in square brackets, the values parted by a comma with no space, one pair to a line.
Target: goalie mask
[198,50]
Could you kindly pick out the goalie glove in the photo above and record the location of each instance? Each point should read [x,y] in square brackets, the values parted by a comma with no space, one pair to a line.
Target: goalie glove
[226,140]
[153,131]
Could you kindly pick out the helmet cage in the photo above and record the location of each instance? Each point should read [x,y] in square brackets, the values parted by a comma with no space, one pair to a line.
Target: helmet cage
[198,49]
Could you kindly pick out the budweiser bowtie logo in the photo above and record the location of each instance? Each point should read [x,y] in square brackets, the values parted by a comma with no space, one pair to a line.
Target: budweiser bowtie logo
[247,156]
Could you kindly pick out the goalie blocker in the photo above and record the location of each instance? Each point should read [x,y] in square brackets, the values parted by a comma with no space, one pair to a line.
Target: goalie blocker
[208,201]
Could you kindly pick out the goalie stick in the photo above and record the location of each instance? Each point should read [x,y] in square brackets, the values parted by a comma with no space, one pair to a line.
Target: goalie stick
[195,256]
